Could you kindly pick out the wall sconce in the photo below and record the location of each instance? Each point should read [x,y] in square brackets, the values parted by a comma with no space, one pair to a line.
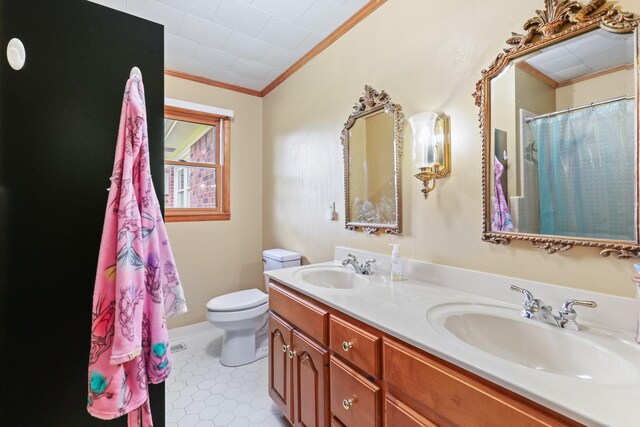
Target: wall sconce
[431,148]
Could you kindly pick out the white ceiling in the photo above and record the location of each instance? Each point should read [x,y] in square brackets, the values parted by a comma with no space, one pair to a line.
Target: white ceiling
[247,43]
[587,54]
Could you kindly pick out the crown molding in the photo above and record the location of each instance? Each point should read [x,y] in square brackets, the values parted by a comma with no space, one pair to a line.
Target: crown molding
[210,82]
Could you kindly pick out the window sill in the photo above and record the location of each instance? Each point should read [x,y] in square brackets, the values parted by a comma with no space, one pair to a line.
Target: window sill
[189,215]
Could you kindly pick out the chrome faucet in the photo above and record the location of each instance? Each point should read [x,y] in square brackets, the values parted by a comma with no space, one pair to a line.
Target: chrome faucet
[536,309]
[364,268]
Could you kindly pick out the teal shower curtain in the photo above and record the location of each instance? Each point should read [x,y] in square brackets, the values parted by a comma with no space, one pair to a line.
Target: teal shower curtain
[586,171]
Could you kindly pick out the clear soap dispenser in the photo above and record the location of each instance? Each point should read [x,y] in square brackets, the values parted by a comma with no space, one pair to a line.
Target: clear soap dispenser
[636,281]
[396,262]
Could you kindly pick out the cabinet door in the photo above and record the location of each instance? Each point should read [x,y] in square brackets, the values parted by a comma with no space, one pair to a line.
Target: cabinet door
[280,380]
[310,383]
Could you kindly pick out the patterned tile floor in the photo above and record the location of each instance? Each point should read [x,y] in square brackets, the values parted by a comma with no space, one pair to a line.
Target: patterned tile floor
[201,392]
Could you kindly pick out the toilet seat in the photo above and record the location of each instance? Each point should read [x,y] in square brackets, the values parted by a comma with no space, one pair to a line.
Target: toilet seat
[238,301]
[226,317]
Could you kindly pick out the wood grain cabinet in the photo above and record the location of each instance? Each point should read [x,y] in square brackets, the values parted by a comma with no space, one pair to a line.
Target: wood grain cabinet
[280,366]
[355,400]
[298,364]
[310,382]
[328,369]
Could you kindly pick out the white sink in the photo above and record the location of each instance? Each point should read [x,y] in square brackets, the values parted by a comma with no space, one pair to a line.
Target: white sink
[334,277]
[500,332]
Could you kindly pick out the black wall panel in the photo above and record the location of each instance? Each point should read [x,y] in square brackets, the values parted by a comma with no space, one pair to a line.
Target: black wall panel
[59,120]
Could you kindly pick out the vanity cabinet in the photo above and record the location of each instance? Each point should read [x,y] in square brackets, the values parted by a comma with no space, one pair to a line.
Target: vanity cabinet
[280,367]
[328,369]
[298,359]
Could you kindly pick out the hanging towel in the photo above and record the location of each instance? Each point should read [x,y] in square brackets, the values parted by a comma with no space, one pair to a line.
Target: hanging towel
[137,285]
[501,218]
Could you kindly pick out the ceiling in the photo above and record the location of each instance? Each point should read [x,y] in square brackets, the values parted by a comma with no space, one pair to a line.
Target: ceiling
[585,55]
[247,43]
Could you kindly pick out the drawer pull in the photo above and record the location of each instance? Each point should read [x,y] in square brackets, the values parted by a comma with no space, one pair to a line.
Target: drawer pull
[292,354]
[285,348]
[346,346]
[348,403]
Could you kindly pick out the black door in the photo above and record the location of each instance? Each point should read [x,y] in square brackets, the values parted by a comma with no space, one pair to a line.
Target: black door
[59,120]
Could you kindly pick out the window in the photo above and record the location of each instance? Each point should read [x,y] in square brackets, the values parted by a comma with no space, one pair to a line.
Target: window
[196,161]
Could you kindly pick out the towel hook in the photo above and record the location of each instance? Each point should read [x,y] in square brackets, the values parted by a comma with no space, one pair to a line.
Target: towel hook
[135,71]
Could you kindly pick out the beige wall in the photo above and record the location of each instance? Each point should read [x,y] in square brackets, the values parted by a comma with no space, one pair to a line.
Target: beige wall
[428,56]
[607,86]
[218,257]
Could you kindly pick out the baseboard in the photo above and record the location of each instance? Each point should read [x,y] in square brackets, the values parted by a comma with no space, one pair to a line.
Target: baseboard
[186,331]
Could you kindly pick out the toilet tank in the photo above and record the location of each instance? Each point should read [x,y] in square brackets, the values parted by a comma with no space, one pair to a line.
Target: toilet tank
[275,259]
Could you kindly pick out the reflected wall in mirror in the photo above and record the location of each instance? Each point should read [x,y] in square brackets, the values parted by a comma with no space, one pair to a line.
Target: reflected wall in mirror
[558,118]
[372,141]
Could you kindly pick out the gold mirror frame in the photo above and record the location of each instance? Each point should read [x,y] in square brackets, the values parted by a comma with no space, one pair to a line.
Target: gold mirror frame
[560,20]
[371,102]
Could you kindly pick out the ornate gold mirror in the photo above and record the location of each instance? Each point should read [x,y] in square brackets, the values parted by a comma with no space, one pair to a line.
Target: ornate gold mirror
[558,117]
[372,146]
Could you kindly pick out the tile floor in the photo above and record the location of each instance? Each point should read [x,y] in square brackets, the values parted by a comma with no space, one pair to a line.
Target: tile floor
[201,392]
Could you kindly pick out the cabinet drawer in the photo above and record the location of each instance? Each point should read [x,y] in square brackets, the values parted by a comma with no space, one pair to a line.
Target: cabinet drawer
[355,401]
[306,316]
[397,414]
[355,345]
[451,396]
[336,422]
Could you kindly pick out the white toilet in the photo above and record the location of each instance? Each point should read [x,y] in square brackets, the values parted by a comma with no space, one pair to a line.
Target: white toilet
[243,315]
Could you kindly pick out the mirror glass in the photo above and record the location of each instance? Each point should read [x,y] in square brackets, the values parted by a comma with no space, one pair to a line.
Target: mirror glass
[371,169]
[372,139]
[562,140]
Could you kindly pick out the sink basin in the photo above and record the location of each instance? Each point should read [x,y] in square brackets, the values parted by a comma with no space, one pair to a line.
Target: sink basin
[500,332]
[334,277]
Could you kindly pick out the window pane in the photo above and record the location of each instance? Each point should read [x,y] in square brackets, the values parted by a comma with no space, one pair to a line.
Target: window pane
[191,142]
[190,187]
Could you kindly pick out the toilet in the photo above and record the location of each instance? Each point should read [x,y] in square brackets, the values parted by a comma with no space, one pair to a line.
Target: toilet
[243,315]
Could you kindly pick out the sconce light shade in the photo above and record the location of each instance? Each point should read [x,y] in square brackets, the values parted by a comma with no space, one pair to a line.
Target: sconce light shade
[424,139]
[431,148]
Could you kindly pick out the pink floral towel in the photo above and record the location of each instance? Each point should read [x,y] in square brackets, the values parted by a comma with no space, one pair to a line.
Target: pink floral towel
[137,285]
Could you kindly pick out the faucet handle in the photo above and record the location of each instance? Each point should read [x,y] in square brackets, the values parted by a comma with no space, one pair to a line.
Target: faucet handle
[568,314]
[530,304]
[353,257]
[528,296]
[368,262]
[567,307]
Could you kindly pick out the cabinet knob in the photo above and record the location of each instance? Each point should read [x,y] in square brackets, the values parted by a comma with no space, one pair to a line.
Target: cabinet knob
[346,346]
[292,354]
[348,403]
[285,348]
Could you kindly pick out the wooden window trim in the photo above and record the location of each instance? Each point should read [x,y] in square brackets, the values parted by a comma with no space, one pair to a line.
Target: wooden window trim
[222,124]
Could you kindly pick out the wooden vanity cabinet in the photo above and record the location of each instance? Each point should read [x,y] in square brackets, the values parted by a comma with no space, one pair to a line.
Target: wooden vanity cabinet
[298,364]
[310,382]
[340,372]
[280,366]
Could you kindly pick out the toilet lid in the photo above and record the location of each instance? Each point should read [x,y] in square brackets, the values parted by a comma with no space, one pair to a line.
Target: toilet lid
[235,301]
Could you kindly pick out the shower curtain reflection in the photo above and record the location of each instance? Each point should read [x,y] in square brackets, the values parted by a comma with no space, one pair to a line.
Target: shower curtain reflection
[586,171]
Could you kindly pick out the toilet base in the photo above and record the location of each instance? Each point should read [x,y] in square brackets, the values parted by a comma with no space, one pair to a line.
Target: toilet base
[242,347]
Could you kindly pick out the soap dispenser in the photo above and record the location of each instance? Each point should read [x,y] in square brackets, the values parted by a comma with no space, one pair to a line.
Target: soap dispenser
[636,281]
[396,262]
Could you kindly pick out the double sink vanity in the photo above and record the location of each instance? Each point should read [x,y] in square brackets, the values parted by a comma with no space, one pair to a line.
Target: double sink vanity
[558,117]
[446,346]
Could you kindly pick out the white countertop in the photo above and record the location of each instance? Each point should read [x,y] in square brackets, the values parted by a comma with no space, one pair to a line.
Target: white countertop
[400,309]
